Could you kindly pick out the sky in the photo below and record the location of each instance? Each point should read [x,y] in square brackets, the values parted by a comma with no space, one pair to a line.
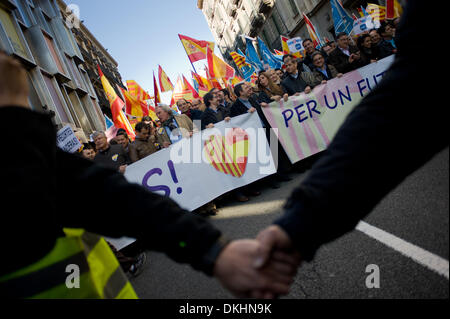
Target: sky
[142,34]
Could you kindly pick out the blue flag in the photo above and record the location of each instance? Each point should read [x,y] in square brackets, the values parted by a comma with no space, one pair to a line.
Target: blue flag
[268,56]
[246,70]
[343,22]
[252,56]
[109,122]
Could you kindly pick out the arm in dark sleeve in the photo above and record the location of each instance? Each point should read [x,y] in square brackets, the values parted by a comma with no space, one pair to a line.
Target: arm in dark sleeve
[376,148]
[113,207]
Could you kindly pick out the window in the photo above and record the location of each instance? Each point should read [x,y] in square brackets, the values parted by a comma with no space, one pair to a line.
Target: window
[54,53]
[59,105]
[294,8]
[14,37]
[22,14]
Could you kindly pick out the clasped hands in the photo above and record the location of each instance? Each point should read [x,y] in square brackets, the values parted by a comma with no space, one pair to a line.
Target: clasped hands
[260,268]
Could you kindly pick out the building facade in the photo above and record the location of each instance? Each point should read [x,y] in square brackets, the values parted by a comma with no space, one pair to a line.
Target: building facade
[94,54]
[35,32]
[230,20]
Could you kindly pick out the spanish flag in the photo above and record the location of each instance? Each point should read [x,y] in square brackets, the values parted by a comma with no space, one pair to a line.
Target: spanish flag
[195,49]
[393,9]
[202,82]
[156,91]
[202,89]
[312,31]
[135,90]
[119,118]
[183,90]
[136,108]
[217,67]
[164,82]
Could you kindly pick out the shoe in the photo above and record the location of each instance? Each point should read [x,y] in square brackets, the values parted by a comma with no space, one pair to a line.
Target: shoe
[254,192]
[284,178]
[242,198]
[137,268]
[275,185]
[213,212]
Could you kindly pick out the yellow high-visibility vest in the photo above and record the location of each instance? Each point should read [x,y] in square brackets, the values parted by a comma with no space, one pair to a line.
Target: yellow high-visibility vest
[100,274]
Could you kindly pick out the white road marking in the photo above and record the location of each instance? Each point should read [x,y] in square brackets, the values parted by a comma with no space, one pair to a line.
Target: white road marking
[419,255]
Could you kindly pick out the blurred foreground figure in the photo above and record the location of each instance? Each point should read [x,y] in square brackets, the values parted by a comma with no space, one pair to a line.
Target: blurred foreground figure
[395,130]
[49,234]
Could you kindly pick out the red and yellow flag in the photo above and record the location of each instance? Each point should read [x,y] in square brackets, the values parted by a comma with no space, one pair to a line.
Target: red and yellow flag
[119,118]
[136,108]
[183,90]
[164,82]
[195,49]
[393,9]
[286,49]
[312,31]
[135,90]
[378,13]
[156,91]
[202,82]
[213,81]
[217,67]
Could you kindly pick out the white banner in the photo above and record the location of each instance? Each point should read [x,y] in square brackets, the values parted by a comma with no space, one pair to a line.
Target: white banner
[363,24]
[295,45]
[197,170]
[67,141]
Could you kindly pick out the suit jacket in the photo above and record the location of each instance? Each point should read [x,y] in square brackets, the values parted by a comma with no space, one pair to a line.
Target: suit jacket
[291,85]
[340,60]
[184,123]
[319,76]
[209,116]
[238,108]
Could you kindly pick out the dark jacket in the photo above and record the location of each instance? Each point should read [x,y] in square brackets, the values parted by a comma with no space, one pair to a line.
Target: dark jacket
[238,108]
[142,148]
[50,189]
[340,60]
[374,150]
[194,114]
[291,85]
[385,49]
[331,72]
[114,157]
[209,116]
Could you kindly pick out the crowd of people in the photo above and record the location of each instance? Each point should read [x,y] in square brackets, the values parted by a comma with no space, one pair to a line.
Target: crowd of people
[298,75]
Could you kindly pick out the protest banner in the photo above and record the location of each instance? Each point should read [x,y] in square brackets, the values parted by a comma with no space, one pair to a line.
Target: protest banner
[308,122]
[67,141]
[295,45]
[363,24]
[197,170]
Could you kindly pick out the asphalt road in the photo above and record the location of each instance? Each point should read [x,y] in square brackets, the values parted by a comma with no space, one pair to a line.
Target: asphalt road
[417,211]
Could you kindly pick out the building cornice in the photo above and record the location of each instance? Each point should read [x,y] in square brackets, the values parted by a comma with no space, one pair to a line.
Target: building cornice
[89,35]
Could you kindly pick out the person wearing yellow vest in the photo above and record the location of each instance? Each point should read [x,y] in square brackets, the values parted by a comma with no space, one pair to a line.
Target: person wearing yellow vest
[49,235]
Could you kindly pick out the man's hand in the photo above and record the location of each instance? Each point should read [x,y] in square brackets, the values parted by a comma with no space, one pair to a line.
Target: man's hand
[166,144]
[286,97]
[235,270]
[122,169]
[252,110]
[227,119]
[210,125]
[13,82]
[274,239]
[308,90]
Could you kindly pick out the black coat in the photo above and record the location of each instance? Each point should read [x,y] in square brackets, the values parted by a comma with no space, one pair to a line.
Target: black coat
[49,189]
[209,116]
[340,60]
[374,150]
[238,108]
[385,49]
[290,85]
